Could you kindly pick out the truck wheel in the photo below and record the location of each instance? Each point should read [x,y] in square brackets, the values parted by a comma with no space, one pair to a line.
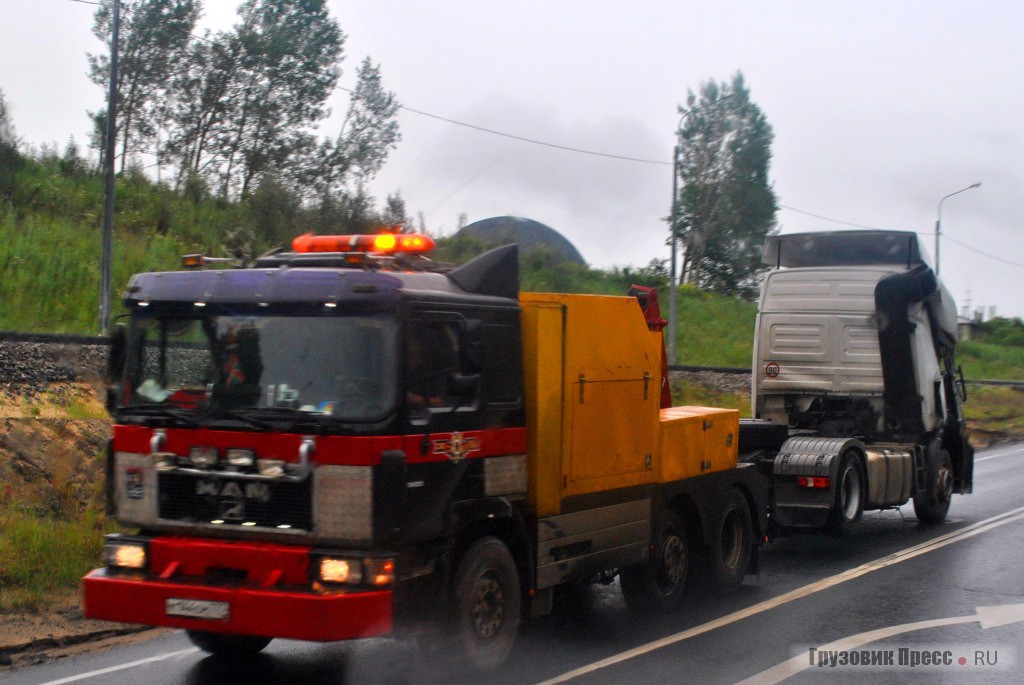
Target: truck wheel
[733,536]
[849,504]
[487,604]
[656,586]
[932,505]
[228,646]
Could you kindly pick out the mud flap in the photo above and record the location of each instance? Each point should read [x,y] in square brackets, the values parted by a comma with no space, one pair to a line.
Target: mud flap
[803,507]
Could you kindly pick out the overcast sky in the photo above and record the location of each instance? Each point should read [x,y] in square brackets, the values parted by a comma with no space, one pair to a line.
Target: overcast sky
[879,109]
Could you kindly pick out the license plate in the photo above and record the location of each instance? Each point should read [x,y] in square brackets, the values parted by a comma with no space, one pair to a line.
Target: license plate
[198,608]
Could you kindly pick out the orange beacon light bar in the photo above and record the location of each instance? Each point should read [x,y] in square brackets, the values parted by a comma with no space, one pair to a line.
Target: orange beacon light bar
[381,242]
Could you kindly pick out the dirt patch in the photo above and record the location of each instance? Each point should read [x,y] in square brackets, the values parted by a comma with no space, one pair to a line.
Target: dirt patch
[58,630]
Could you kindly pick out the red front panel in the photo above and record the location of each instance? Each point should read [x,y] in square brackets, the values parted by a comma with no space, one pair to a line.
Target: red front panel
[275,598]
[251,611]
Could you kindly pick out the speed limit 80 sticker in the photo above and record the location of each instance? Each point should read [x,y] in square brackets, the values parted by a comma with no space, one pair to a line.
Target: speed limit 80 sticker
[771,369]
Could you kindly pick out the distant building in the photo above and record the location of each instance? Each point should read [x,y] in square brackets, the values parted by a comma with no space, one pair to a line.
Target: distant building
[527,233]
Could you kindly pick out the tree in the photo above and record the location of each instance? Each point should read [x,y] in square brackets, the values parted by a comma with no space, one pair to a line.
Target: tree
[10,160]
[154,36]
[394,213]
[203,92]
[288,53]
[339,170]
[726,207]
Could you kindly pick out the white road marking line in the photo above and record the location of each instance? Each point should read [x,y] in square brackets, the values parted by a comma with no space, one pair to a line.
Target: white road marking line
[988,617]
[121,667]
[799,593]
[1001,454]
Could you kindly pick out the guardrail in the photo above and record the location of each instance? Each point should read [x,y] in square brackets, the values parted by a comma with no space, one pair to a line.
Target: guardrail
[54,338]
[740,370]
[73,339]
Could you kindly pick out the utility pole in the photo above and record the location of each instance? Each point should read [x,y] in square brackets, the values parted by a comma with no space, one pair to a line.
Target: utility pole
[674,227]
[106,262]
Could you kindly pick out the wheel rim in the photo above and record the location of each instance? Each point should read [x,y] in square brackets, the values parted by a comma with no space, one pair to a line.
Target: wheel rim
[488,607]
[732,540]
[673,562]
[850,493]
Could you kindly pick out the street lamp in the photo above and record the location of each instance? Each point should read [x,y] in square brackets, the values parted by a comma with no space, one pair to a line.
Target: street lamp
[938,221]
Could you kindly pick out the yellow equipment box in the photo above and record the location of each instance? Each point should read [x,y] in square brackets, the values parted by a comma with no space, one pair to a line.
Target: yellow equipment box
[593,417]
[697,440]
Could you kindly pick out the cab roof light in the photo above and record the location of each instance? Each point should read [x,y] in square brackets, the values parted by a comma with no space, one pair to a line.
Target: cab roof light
[381,243]
[195,261]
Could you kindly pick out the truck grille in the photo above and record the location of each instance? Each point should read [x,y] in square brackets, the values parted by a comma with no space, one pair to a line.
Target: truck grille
[205,498]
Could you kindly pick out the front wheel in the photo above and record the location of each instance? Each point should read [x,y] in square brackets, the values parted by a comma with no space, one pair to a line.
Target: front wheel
[932,505]
[487,604]
[849,501]
[228,646]
[656,586]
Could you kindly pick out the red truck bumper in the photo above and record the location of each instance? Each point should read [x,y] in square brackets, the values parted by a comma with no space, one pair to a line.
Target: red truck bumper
[295,615]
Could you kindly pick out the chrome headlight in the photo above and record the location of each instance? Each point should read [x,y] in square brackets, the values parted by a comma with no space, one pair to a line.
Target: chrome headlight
[240,457]
[203,457]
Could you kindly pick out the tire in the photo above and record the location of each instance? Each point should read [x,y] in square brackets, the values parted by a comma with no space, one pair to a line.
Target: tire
[228,646]
[657,585]
[487,604]
[731,542]
[850,489]
[932,505]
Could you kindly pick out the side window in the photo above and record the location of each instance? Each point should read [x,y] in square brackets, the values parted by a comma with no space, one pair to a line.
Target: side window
[434,373]
[501,380]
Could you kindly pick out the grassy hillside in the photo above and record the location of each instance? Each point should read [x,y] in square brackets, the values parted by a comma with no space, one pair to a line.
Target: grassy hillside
[50,213]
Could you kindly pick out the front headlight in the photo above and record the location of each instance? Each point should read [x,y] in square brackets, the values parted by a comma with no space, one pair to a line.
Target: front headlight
[334,570]
[339,570]
[240,457]
[125,554]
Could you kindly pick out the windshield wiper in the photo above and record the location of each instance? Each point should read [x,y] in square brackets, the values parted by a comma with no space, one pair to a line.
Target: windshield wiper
[244,416]
[156,410]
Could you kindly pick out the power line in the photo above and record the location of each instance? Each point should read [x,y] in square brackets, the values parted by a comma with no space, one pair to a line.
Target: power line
[983,254]
[523,139]
[837,221]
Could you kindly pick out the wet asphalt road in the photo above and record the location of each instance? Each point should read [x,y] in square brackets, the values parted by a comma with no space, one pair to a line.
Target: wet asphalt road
[897,593]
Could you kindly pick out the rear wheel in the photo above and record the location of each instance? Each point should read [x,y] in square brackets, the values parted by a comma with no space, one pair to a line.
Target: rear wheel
[228,646]
[932,505]
[849,501]
[487,604]
[733,537]
[656,586]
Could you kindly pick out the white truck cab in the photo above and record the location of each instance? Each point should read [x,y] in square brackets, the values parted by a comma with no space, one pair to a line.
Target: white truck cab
[854,353]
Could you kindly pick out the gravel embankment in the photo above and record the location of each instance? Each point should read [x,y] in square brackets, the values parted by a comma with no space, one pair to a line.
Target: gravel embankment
[729,383]
[27,367]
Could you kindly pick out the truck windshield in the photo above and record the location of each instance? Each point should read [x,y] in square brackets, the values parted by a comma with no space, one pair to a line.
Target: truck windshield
[343,366]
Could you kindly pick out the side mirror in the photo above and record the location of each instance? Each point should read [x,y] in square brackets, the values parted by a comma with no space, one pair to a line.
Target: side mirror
[118,353]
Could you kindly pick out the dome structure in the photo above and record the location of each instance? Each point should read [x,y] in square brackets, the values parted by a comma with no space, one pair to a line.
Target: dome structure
[527,233]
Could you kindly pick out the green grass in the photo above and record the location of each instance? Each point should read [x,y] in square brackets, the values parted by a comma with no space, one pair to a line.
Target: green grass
[687,393]
[45,553]
[995,409]
[713,330]
[985,360]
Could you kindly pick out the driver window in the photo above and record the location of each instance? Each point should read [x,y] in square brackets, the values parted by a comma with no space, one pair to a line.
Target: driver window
[432,356]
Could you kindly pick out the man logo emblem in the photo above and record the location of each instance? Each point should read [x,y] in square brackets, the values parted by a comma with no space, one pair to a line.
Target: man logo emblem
[457,447]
